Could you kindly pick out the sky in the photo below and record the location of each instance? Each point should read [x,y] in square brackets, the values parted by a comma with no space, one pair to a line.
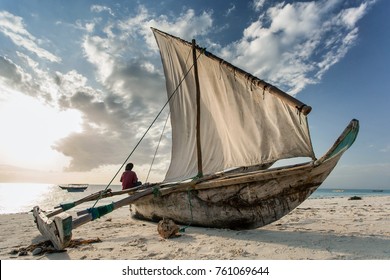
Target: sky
[81,81]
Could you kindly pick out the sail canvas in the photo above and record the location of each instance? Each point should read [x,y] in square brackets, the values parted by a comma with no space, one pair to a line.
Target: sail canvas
[242,124]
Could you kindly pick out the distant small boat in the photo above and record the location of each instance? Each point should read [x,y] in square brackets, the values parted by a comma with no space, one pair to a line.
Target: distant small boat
[338,190]
[377,190]
[75,187]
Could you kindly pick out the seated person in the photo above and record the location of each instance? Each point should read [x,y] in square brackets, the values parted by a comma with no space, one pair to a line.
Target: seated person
[129,178]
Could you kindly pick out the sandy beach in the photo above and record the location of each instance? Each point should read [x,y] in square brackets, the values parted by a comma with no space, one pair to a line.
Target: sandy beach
[319,229]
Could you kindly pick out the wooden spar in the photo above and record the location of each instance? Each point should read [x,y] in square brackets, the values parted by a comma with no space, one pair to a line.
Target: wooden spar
[118,204]
[57,226]
[198,144]
[161,189]
[59,229]
[300,106]
[92,197]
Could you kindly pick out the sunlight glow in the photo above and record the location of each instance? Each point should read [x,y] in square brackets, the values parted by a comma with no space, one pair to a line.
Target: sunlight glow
[29,129]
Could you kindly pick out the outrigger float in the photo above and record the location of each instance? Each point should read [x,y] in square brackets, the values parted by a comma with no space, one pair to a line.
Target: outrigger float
[57,225]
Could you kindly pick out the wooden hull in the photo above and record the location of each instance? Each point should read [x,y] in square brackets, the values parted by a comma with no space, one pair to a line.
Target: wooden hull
[246,200]
[238,200]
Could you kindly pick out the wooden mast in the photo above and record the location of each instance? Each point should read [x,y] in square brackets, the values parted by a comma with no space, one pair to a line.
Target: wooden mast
[198,144]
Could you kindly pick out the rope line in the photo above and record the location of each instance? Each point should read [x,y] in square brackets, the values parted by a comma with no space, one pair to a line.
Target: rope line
[150,126]
[67,206]
[101,210]
[158,145]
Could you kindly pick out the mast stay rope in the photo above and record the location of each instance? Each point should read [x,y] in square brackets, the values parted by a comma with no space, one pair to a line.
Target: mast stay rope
[150,126]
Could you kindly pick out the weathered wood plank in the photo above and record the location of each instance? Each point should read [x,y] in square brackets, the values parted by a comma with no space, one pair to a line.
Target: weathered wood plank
[57,230]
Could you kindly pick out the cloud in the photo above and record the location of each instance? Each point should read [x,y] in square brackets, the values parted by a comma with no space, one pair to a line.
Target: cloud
[293,44]
[133,89]
[13,27]
[187,25]
[28,78]
[230,10]
[258,4]
[13,76]
[385,149]
[114,119]
[11,72]
[351,16]
[99,9]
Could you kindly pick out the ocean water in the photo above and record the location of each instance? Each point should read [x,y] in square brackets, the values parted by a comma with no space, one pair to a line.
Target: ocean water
[22,197]
[327,193]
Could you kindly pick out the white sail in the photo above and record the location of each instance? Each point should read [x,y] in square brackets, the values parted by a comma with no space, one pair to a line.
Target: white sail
[242,124]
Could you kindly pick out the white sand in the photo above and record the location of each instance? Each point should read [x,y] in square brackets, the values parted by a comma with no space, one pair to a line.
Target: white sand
[319,229]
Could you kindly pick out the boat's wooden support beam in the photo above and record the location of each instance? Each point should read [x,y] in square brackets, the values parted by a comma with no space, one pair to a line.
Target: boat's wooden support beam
[92,197]
[58,230]
[116,205]
[57,226]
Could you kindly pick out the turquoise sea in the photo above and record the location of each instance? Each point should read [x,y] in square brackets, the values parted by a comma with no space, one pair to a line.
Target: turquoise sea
[22,197]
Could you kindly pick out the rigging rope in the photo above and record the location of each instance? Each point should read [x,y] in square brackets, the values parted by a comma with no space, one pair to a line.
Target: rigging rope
[158,145]
[150,126]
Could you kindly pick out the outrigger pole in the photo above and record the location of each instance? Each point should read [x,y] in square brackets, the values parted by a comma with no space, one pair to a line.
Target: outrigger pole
[57,226]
